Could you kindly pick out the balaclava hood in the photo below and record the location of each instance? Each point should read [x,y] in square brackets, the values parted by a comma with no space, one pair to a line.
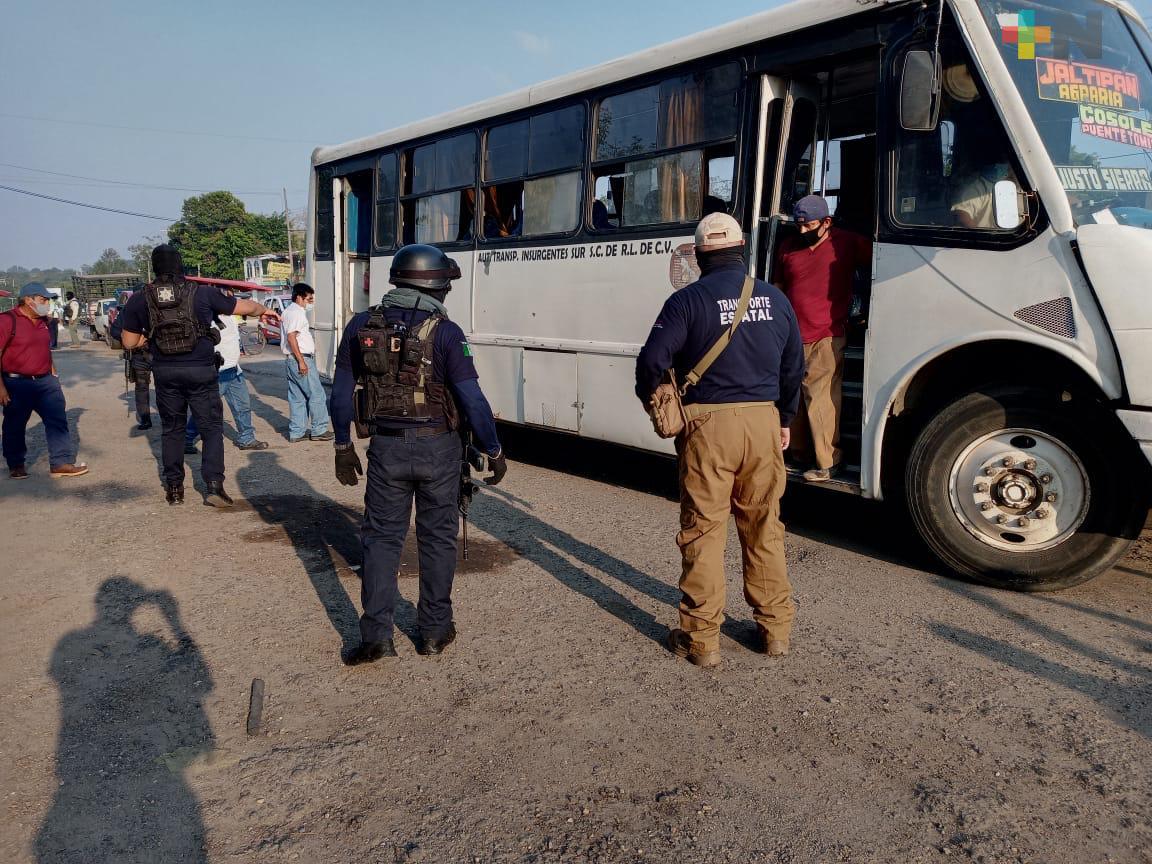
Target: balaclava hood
[166,262]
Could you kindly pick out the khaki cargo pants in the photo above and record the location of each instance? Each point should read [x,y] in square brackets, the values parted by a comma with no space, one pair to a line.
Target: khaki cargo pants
[731,464]
[816,429]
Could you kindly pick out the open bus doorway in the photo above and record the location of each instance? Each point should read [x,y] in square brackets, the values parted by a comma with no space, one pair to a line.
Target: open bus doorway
[353,259]
[818,136]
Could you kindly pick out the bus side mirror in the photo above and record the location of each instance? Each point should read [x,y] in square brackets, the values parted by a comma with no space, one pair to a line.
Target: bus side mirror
[1006,205]
[920,92]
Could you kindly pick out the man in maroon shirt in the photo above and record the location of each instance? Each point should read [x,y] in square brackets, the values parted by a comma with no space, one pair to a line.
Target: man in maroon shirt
[28,383]
[815,271]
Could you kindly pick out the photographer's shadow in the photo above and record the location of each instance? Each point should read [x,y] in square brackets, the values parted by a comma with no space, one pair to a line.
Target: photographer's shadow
[131,719]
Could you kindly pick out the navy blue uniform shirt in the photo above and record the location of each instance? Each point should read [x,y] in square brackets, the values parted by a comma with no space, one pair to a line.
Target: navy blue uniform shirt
[764,362]
[451,364]
[210,302]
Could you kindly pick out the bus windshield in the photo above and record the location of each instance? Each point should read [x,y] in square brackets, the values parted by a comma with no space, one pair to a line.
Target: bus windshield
[1083,69]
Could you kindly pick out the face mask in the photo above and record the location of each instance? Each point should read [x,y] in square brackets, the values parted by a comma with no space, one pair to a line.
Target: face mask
[41,309]
[811,238]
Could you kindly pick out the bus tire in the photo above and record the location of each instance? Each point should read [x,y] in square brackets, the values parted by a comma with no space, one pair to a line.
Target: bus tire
[1018,489]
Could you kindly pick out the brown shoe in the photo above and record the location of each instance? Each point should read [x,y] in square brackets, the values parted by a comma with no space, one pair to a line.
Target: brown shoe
[680,644]
[773,647]
[18,473]
[69,470]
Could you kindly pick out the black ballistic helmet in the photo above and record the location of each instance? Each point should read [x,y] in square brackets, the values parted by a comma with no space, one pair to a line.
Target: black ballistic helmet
[424,267]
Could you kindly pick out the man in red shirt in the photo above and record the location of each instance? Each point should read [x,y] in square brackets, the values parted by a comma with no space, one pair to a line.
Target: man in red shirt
[815,271]
[28,383]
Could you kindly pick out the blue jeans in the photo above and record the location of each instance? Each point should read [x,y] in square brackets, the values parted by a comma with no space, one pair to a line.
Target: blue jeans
[234,389]
[45,397]
[306,398]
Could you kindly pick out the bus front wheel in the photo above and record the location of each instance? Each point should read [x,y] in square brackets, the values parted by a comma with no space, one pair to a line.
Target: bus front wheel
[1019,489]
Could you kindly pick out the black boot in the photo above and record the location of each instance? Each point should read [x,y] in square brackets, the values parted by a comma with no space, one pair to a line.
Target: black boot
[215,496]
[369,652]
[436,644]
[144,422]
[174,493]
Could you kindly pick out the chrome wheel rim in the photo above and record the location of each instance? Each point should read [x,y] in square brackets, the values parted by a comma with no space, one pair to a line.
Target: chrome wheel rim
[1019,490]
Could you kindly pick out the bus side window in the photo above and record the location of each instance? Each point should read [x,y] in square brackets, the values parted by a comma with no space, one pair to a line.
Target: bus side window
[635,184]
[439,196]
[530,187]
[385,225]
[945,177]
[325,222]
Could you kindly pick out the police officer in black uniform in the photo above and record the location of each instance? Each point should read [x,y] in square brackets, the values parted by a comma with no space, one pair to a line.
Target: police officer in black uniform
[174,317]
[417,386]
[137,370]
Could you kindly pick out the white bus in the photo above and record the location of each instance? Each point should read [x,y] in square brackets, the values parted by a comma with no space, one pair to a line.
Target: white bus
[999,375]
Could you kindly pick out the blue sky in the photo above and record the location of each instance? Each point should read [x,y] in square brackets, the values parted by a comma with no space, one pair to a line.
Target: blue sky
[302,73]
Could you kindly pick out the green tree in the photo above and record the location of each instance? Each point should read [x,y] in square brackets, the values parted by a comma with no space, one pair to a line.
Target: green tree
[111,261]
[270,231]
[215,234]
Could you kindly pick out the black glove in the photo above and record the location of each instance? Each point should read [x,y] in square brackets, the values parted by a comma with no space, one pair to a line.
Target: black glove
[348,465]
[498,465]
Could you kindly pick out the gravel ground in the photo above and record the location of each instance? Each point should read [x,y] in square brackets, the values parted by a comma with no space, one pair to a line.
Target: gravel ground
[918,718]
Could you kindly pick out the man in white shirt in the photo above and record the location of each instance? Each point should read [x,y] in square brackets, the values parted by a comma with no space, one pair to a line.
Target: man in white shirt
[306,398]
[72,318]
[234,389]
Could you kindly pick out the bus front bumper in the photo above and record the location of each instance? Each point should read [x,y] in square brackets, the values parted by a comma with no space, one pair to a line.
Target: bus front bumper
[1139,426]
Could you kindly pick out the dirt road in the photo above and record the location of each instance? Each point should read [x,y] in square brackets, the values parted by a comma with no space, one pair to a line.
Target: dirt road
[918,719]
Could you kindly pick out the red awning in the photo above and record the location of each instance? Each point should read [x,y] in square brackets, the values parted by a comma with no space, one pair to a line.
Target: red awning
[4,293]
[231,283]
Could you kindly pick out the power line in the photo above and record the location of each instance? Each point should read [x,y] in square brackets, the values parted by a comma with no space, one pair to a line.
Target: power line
[128,183]
[92,206]
[157,131]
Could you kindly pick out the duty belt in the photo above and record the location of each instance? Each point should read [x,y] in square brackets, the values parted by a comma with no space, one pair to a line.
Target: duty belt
[412,431]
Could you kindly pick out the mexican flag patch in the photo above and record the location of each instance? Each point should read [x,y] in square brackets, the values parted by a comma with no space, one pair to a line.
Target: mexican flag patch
[467,349]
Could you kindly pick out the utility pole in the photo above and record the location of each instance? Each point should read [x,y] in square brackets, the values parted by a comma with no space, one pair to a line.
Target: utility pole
[288,226]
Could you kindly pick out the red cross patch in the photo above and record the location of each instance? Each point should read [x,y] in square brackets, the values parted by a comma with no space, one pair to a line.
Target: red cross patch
[368,342]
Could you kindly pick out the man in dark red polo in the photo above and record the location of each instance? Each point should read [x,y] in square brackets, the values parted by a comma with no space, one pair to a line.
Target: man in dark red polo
[28,383]
[815,270]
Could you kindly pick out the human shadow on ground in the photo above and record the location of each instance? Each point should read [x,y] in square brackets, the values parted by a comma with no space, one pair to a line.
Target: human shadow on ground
[588,570]
[877,530]
[321,531]
[131,719]
[1128,700]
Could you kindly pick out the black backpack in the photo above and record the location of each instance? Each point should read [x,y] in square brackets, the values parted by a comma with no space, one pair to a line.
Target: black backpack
[172,315]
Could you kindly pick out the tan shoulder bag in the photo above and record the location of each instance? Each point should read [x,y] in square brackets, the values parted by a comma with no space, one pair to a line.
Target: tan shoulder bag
[666,407]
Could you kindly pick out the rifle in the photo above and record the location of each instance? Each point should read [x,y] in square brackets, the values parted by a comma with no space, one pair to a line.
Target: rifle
[471,458]
[129,378]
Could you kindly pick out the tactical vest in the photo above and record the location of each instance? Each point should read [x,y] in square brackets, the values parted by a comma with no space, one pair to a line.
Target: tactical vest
[397,382]
[172,315]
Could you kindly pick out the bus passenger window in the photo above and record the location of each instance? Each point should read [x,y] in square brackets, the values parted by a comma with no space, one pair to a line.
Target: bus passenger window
[720,174]
[385,223]
[635,183]
[446,168]
[527,189]
[945,178]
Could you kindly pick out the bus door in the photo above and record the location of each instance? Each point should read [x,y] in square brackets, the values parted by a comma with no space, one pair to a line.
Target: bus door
[353,255]
[818,135]
[788,137]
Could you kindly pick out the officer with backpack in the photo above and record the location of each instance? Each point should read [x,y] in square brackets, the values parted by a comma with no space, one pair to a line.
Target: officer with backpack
[417,385]
[733,347]
[174,318]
